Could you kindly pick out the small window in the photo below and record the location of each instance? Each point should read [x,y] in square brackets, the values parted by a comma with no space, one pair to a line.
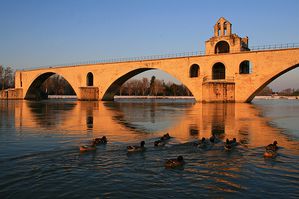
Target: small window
[194,71]
[89,79]
[245,67]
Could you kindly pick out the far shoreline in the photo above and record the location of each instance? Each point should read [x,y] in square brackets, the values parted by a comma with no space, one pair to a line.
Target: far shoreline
[171,97]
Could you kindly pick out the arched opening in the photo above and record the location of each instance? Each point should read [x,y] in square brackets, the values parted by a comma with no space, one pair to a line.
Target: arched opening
[225,28]
[218,71]
[143,82]
[218,29]
[222,47]
[89,79]
[245,67]
[194,71]
[48,84]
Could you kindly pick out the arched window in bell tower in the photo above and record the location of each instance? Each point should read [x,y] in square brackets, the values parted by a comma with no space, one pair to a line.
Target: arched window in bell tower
[218,29]
[222,47]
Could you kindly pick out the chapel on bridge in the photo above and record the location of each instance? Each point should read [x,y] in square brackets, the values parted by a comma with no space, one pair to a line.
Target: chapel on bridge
[224,41]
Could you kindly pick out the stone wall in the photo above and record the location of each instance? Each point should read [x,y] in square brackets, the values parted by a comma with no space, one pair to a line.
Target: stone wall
[14,93]
[218,92]
[89,93]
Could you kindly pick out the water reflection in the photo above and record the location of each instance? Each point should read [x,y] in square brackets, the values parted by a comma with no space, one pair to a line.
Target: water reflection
[129,121]
[40,141]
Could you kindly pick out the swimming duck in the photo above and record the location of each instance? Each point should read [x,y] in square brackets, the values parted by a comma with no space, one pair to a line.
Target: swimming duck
[233,142]
[272,147]
[137,148]
[91,147]
[213,139]
[270,154]
[159,143]
[102,140]
[202,143]
[165,137]
[228,145]
[174,163]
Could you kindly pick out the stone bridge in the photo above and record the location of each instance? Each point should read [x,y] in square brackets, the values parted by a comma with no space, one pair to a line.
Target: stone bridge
[228,71]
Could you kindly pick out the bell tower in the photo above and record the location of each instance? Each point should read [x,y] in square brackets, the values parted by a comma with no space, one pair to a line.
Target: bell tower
[224,41]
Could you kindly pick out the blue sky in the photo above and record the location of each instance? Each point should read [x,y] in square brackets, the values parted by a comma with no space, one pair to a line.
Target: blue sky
[37,33]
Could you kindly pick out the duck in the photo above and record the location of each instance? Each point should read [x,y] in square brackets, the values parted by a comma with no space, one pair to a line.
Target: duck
[213,139]
[233,142]
[102,140]
[159,143]
[174,163]
[270,154]
[272,147]
[137,148]
[91,147]
[165,137]
[228,145]
[202,143]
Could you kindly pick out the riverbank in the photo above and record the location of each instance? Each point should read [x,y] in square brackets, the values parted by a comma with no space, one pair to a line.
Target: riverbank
[153,97]
[277,97]
[170,97]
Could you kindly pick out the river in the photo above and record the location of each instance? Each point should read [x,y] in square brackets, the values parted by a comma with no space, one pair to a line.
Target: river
[40,158]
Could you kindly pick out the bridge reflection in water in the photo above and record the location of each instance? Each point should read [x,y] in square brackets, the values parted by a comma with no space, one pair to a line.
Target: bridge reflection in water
[131,122]
[39,145]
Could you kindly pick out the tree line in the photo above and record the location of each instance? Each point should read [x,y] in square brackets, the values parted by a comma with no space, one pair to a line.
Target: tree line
[152,87]
[57,85]
[267,91]
[7,79]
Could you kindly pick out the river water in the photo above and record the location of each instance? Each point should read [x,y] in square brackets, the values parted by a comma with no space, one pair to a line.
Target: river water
[40,158]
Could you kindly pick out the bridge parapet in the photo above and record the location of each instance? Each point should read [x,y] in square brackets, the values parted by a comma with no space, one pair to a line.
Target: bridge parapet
[228,79]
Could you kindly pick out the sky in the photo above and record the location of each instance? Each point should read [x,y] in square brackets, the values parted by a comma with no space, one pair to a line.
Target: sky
[36,33]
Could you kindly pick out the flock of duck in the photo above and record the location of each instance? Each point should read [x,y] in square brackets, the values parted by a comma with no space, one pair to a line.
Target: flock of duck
[271,149]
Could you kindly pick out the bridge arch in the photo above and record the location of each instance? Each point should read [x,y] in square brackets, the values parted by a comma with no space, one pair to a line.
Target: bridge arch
[194,70]
[218,71]
[222,47]
[268,80]
[35,92]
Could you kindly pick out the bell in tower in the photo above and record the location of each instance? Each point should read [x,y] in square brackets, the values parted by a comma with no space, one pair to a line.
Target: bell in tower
[224,41]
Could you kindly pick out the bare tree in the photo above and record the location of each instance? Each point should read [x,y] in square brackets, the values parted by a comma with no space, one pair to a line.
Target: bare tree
[144,86]
[152,85]
[2,77]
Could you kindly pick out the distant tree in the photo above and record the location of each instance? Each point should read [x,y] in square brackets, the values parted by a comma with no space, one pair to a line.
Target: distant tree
[144,86]
[2,77]
[155,87]
[6,77]
[267,91]
[57,85]
[296,92]
[286,92]
[152,85]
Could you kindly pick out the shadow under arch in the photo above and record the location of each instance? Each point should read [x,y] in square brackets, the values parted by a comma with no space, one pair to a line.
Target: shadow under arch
[115,86]
[35,92]
[250,98]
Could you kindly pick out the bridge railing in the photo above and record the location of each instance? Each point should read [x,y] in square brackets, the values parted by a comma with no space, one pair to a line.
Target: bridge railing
[274,46]
[165,56]
[210,79]
[127,59]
